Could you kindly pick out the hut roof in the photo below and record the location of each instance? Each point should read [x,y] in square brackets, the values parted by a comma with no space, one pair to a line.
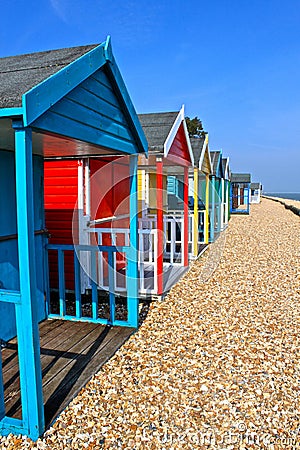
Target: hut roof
[157,127]
[197,147]
[241,177]
[255,185]
[19,74]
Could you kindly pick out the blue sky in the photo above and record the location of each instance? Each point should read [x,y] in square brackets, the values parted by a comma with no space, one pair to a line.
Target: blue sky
[234,64]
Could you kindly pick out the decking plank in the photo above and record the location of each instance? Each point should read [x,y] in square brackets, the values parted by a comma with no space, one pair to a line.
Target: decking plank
[71,353]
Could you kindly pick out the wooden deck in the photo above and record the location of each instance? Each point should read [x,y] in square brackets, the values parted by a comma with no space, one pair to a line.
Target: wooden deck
[71,352]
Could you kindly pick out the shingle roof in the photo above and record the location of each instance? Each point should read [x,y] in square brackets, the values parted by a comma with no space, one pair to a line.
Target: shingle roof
[255,185]
[214,161]
[197,146]
[241,178]
[18,74]
[157,127]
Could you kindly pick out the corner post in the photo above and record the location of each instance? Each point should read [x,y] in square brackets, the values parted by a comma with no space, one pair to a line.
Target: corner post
[186,218]
[26,313]
[206,219]
[2,404]
[196,214]
[160,225]
[212,212]
[132,272]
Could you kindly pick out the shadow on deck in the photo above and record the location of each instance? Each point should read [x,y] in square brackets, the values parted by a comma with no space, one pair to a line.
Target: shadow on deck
[71,353]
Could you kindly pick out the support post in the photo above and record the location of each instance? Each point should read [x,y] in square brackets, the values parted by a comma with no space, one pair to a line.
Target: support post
[196,213]
[222,203]
[132,271]
[2,404]
[26,312]
[186,217]
[212,212]
[206,218]
[160,226]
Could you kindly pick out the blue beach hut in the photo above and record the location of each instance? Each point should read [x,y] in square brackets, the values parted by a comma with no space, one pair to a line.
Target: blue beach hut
[216,195]
[240,193]
[64,103]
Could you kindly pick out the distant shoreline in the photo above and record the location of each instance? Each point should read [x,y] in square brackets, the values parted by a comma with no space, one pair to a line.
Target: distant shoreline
[287,195]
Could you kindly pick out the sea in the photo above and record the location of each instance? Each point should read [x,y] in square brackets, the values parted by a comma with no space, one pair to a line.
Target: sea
[291,196]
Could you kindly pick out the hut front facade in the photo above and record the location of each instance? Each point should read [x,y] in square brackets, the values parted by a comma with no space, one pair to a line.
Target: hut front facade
[67,107]
[255,193]
[199,195]
[163,201]
[225,193]
[240,193]
[216,201]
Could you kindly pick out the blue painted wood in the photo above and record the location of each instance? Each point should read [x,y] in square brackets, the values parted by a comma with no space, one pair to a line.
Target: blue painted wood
[9,265]
[59,124]
[94,286]
[11,112]
[99,321]
[27,312]
[111,284]
[132,261]
[10,296]
[77,285]
[116,78]
[61,282]
[40,98]
[2,404]
[11,425]
[98,73]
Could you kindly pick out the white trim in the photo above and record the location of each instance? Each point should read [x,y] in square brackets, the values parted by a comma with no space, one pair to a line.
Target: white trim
[204,150]
[171,136]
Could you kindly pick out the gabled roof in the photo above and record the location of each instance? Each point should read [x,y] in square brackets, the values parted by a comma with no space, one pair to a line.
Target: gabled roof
[161,129]
[225,167]
[216,162]
[197,147]
[19,74]
[255,186]
[200,149]
[35,86]
[241,178]
[157,127]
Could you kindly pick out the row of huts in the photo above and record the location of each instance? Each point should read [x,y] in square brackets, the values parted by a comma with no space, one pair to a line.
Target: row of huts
[99,207]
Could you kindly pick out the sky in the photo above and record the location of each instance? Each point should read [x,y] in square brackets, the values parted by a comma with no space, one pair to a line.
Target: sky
[235,64]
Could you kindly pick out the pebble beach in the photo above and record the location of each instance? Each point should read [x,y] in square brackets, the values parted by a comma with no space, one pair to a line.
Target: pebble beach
[215,365]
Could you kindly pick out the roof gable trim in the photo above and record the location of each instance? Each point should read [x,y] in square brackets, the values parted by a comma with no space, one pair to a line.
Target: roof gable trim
[171,136]
[205,151]
[41,97]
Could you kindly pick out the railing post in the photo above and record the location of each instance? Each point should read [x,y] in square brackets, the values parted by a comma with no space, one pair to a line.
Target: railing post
[160,225]
[186,217]
[195,236]
[2,404]
[212,212]
[206,218]
[26,313]
[132,266]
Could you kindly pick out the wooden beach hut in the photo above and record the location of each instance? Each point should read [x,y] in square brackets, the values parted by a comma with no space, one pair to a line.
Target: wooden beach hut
[67,103]
[164,216]
[240,193]
[216,195]
[255,193]
[225,188]
[199,195]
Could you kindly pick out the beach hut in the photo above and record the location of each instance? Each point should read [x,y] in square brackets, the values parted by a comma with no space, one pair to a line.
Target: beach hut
[199,195]
[240,193]
[216,195]
[255,195]
[67,103]
[164,213]
[225,188]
